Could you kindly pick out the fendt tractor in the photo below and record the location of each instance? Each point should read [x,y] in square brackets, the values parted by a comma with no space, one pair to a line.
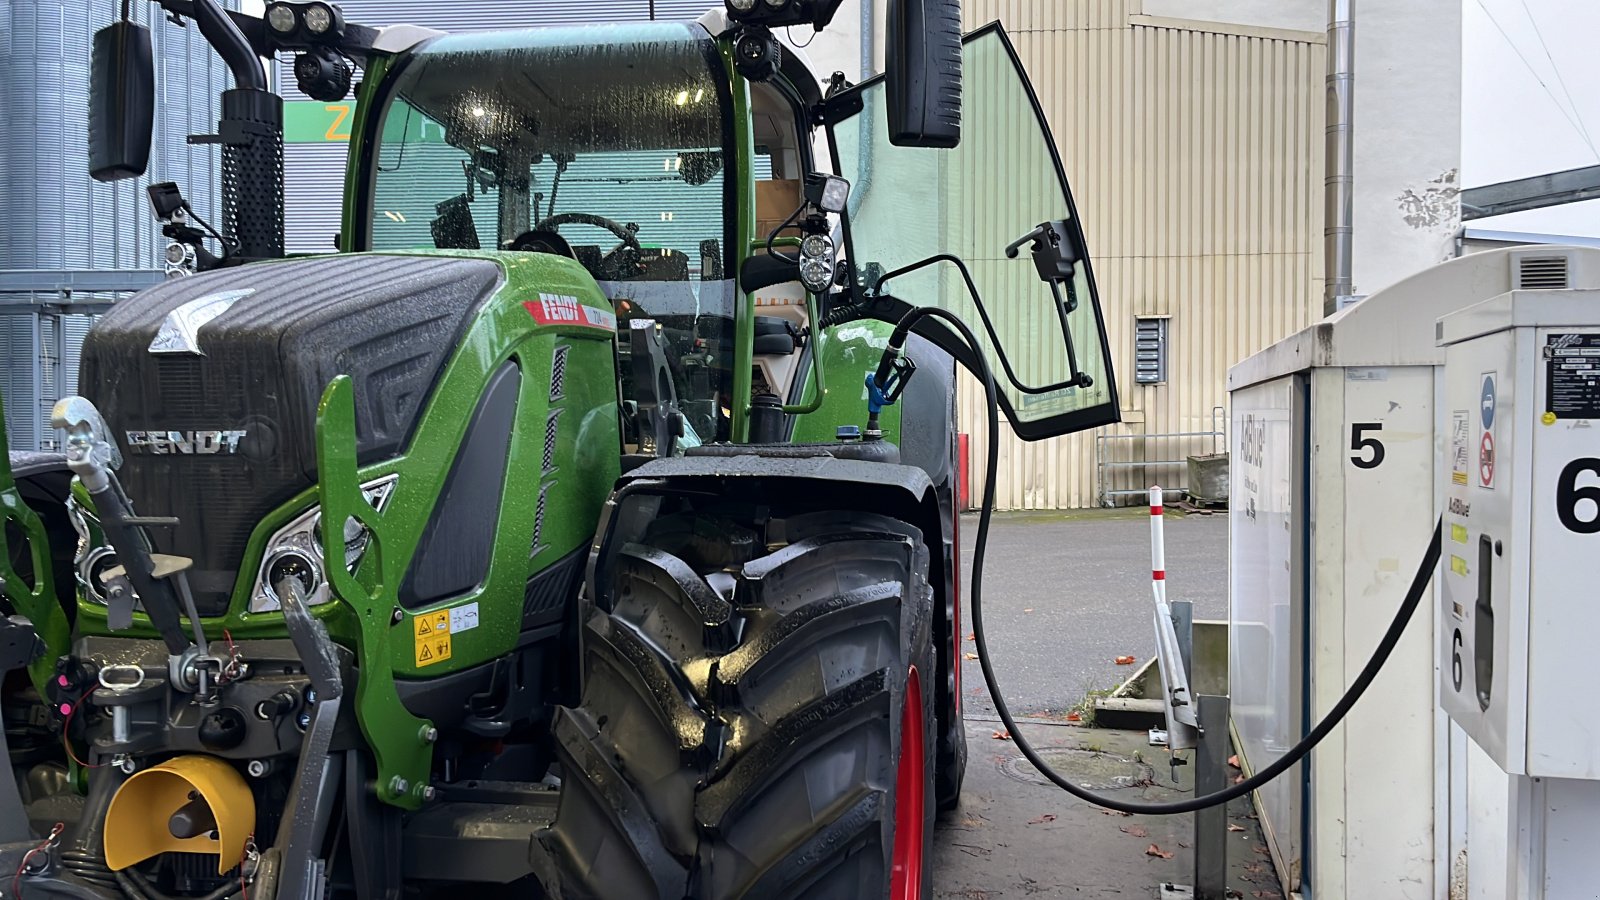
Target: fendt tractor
[586,525]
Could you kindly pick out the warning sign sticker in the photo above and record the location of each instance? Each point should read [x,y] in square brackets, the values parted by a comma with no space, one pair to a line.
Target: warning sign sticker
[1460,435]
[431,637]
[1486,460]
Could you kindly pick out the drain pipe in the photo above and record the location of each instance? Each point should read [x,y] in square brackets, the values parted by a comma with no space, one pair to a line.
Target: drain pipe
[1339,185]
[862,179]
[868,23]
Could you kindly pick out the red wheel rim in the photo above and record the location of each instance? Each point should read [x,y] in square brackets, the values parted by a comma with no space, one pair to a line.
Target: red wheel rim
[906,881]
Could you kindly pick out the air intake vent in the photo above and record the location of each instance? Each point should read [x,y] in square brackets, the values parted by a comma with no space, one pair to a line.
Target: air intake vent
[538,521]
[558,373]
[552,432]
[1541,272]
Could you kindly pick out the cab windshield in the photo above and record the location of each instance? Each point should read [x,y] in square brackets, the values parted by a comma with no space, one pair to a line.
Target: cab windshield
[609,144]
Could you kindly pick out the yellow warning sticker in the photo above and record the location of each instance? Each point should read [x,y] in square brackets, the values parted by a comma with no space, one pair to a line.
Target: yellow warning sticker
[1458,477]
[1458,533]
[431,640]
[1458,565]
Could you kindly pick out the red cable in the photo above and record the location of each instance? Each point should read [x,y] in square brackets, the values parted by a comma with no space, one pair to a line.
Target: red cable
[66,725]
[16,880]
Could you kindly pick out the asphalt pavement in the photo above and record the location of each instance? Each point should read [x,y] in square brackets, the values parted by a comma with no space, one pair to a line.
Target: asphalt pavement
[1065,594]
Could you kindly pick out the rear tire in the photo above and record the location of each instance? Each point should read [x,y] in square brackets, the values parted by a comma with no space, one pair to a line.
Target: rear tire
[742,730]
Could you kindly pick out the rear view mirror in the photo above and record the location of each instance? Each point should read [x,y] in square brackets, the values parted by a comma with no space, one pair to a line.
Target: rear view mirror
[122,101]
[923,61]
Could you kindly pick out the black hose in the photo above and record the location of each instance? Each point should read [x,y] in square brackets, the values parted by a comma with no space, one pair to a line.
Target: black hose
[1419,585]
[138,887]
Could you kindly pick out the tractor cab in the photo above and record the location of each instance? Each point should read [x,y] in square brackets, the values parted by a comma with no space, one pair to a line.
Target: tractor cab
[611,145]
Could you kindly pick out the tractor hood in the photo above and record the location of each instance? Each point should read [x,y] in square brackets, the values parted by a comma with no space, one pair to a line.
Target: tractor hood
[210,384]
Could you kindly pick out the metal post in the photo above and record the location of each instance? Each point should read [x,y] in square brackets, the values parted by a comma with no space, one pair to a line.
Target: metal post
[1183,624]
[1211,823]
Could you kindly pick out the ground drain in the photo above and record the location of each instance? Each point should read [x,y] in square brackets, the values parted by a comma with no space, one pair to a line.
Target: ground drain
[1091,769]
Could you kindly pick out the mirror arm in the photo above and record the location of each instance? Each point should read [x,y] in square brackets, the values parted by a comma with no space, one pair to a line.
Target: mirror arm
[229,41]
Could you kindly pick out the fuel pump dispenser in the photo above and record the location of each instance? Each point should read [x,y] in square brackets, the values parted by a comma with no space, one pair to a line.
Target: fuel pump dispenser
[1517,613]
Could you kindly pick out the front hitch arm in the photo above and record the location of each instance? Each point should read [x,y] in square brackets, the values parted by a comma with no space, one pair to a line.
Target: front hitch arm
[401,742]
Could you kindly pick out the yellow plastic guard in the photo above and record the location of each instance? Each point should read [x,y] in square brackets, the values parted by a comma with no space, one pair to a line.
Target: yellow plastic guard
[136,822]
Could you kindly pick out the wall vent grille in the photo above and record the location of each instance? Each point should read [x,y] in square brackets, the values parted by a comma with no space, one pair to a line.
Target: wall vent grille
[1543,273]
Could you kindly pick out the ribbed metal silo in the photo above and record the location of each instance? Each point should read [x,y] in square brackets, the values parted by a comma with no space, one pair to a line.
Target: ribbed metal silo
[72,245]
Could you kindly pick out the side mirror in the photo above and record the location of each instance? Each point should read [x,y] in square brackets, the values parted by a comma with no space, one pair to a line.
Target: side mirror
[122,101]
[923,61]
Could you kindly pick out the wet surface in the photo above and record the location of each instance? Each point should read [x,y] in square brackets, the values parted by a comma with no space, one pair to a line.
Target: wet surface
[1066,595]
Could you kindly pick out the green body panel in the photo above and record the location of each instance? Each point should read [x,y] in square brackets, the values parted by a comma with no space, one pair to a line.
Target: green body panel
[38,602]
[377,66]
[847,353]
[394,642]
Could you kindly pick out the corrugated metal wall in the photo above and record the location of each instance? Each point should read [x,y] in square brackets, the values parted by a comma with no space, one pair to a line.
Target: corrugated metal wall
[1194,152]
[314,172]
[57,218]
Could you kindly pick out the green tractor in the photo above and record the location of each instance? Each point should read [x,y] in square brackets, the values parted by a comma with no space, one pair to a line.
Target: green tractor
[587,525]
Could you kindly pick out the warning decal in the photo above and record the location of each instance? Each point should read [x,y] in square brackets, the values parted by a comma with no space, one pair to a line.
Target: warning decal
[431,641]
[1460,435]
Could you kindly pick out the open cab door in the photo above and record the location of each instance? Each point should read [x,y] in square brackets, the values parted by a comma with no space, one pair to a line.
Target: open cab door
[1051,361]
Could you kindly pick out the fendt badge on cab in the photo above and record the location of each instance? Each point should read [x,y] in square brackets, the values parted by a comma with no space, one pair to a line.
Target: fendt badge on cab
[189,443]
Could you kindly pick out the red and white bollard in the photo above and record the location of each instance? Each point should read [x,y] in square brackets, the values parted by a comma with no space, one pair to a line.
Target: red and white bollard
[1158,548]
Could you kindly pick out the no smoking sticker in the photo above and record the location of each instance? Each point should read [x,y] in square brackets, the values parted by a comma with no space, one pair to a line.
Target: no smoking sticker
[1486,461]
[431,638]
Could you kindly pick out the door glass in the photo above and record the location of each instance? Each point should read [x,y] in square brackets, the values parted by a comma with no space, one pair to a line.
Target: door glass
[1003,180]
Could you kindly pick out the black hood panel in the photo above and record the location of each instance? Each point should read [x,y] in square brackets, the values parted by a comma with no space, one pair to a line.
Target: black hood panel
[390,322]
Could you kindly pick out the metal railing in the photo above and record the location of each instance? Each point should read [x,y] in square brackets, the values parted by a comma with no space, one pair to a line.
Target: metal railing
[1158,451]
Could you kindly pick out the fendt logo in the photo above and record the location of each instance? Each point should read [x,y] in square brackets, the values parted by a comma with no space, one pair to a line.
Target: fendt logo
[559,308]
[185,443]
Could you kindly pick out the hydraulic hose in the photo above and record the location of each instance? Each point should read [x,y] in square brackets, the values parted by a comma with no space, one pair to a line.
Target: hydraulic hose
[1419,585]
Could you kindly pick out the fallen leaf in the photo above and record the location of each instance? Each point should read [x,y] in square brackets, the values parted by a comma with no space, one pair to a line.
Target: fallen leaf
[972,656]
[1261,894]
[1047,817]
[1153,850]
[1001,735]
[1183,844]
[1124,660]
[1234,761]
[1233,827]
[1261,849]
[1238,778]
[1114,812]
[1028,609]
[1135,830]
[971,636]
[1074,717]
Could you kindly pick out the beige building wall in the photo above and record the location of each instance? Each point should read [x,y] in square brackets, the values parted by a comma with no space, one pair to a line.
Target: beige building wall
[1194,150]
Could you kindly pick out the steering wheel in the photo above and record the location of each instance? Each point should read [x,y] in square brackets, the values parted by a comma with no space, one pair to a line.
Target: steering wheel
[611,260]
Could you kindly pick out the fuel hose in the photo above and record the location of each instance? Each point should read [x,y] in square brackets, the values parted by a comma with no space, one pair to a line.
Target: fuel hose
[1419,586]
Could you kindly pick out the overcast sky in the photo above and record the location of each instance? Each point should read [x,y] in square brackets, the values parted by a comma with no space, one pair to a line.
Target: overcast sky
[1512,125]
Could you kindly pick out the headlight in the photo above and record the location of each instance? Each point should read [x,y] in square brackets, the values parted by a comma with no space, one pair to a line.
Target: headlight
[282,19]
[319,18]
[816,263]
[295,550]
[742,5]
